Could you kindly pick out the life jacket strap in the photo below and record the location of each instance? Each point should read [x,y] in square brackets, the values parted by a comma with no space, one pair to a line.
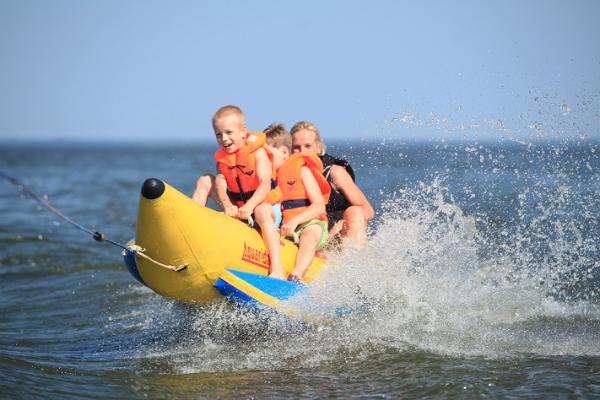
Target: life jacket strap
[244,196]
[236,196]
[290,204]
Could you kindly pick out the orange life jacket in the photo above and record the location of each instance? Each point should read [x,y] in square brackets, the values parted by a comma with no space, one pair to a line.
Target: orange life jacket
[239,170]
[289,180]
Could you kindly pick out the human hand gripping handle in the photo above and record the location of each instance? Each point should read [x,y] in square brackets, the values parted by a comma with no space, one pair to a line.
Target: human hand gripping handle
[244,212]
[289,228]
[231,210]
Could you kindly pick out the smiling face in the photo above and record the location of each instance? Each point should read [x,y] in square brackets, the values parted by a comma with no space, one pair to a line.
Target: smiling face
[230,132]
[305,141]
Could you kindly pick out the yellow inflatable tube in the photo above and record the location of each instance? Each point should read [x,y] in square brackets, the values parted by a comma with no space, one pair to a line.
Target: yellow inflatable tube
[174,230]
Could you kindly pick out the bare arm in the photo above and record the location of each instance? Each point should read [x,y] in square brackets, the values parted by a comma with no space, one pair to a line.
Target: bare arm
[223,198]
[342,182]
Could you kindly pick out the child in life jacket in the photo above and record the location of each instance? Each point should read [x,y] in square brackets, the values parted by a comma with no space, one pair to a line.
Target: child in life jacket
[305,192]
[245,176]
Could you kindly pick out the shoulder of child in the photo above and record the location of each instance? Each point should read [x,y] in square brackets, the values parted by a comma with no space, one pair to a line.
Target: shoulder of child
[261,154]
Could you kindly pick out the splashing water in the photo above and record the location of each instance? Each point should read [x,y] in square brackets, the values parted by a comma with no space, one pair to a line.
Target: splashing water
[433,289]
[426,280]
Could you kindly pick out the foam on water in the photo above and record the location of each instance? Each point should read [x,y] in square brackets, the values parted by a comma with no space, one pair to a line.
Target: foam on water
[430,287]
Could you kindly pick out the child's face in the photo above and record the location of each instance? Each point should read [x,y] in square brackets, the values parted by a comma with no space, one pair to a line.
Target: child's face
[305,141]
[230,133]
[280,154]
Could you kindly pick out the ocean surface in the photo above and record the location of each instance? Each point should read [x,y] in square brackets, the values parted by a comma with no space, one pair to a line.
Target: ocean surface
[481,278]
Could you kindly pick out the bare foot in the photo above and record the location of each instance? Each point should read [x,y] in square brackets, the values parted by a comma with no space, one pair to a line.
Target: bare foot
[277,275]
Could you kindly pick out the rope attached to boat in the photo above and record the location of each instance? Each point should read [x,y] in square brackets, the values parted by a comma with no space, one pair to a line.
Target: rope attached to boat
[139,251]
[98,236]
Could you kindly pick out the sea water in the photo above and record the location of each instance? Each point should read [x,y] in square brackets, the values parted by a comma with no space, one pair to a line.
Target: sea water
[481,277]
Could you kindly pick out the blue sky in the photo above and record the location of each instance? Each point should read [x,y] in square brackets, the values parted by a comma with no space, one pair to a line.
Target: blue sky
[149,70]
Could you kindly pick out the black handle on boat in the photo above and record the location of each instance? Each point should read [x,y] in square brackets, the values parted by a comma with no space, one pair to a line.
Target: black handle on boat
[153,188]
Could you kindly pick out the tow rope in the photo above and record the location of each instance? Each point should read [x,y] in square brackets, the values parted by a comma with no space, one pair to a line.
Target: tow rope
[97,236]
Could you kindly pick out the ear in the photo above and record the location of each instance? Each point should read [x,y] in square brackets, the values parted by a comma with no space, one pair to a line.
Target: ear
[244,130]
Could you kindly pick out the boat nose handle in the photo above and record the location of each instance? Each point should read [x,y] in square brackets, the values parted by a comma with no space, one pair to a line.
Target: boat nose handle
[153,188]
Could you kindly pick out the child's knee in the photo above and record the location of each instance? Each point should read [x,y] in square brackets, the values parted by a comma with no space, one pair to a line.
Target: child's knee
[263,212]
[311,235]
[205,181]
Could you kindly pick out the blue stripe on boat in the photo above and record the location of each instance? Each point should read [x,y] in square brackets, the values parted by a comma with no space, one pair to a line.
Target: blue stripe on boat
[129,258]
[277,288]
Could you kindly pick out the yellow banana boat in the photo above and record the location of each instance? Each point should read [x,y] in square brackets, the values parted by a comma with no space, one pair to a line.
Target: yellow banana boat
[181,248]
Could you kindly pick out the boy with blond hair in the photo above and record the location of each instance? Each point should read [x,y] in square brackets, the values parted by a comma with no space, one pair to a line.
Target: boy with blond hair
[245,175]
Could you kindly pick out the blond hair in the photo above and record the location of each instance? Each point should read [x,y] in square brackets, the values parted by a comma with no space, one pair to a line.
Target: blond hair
[298,126]
[278,136]
[228,110]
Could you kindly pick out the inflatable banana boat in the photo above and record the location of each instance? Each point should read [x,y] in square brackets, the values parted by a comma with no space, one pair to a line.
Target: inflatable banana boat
[192,253]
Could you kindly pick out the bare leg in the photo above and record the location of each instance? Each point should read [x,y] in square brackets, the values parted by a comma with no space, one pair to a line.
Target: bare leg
[355,225]
[309,239]
[335,229]
[205,187]
[265,217]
